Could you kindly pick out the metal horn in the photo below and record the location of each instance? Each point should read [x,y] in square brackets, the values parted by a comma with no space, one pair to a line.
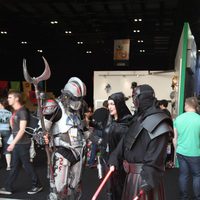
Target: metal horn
[44,76]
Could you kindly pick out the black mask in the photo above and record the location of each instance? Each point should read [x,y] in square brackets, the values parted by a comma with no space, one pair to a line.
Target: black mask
[143,97]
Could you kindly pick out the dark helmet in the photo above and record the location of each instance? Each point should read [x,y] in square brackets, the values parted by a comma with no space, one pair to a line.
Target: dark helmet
[143,96]
[73,93]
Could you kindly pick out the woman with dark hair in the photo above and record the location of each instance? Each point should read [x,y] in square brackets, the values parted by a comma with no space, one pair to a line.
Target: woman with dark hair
[119,119]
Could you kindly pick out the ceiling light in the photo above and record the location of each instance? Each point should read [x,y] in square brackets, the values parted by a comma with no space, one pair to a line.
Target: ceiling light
[23,42]
[68,32]
[88,52]
[137,20]
[39,50]
[54,22]
[79,42]
[136,31]
[3,32]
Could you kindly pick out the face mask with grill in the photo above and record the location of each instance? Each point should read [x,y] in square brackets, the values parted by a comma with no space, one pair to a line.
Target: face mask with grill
[74,105]
[69,101]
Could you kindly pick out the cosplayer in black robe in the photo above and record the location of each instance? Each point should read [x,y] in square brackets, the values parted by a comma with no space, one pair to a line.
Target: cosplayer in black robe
[143,148]
[114,131]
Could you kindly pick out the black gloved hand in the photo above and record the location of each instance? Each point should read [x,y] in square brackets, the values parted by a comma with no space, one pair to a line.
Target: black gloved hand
[145,186]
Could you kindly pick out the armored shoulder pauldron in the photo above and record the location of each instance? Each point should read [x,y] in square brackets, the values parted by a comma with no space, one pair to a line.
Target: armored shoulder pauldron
[157,124]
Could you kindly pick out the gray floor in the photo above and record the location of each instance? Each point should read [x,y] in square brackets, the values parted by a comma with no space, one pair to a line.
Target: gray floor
[90,183]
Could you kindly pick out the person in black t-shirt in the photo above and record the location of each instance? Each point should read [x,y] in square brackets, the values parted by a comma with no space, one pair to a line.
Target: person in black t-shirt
[20,145]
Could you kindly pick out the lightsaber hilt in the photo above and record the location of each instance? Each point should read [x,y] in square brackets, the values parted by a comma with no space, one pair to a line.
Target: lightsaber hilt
[99,167]
[141,192]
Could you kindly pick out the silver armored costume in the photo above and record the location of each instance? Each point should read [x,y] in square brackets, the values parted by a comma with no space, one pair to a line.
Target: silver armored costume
[64,126]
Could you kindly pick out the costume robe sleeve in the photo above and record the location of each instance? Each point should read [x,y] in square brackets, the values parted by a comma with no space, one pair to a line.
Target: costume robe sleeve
[154,160]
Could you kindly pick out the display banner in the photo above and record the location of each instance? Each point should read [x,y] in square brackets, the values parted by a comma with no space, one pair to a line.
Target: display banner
[15,85]
[121,52]
[32,97]
[3,84]
[41,85]
[3,88]
[26,88]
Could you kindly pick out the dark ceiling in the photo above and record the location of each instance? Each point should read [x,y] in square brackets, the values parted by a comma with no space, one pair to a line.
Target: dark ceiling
[97,23]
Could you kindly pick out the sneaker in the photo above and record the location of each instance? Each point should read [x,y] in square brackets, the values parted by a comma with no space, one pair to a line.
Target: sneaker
[4,191]
[8,169]
[35,190]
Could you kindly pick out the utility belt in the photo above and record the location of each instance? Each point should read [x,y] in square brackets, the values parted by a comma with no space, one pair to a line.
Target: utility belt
[134,168]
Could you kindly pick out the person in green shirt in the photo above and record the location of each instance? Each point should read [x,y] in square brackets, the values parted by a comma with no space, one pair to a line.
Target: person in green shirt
[187,144]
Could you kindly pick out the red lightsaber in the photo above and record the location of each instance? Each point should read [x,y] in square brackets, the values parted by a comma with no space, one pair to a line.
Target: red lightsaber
[112,168]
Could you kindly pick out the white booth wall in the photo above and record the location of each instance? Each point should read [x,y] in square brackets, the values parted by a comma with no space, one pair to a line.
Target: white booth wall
[120,81]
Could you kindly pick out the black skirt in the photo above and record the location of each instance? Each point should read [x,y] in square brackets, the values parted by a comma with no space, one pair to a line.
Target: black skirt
[132,185]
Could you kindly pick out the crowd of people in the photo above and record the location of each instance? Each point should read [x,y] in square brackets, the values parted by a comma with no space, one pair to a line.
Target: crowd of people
[134,145]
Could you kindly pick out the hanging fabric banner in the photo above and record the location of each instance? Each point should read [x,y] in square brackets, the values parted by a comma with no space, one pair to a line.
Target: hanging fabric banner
[121,52]
[41,85]
[32,97]
[26,88]
[3,88]
[15,85]
[3,84]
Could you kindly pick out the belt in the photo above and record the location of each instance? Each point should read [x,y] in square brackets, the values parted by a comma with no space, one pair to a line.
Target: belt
[134,168]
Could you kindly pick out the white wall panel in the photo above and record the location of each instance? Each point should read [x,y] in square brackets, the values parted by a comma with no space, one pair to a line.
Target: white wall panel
[120,81]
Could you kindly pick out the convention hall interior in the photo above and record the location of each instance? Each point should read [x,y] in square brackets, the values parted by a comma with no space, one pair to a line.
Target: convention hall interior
[81,37]
[77,36]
